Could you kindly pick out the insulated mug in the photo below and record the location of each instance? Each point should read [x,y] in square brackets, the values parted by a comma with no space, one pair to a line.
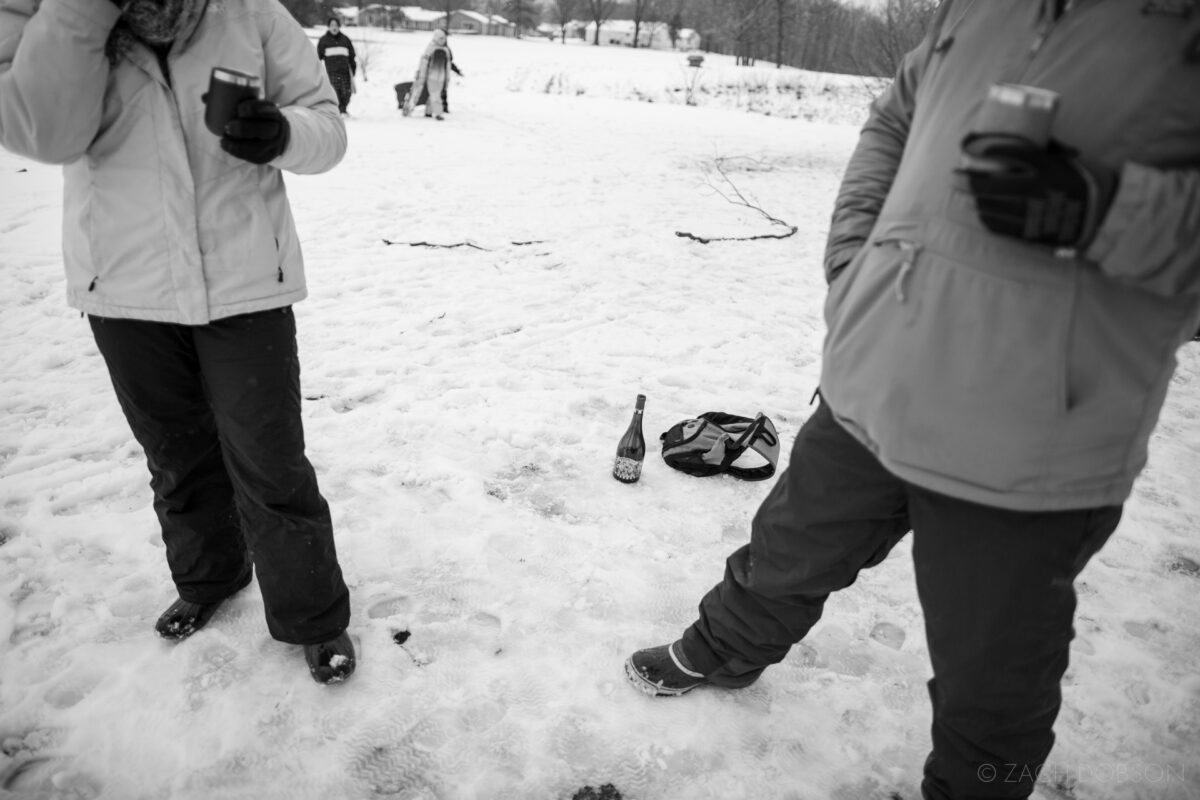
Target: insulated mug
[1010,109]
[1016,110]
[226,88]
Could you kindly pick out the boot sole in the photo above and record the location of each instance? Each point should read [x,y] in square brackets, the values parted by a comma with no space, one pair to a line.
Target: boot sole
[654,689]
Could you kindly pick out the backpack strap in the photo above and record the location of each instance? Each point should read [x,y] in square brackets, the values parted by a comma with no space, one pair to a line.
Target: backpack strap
[758,435]
[712,443]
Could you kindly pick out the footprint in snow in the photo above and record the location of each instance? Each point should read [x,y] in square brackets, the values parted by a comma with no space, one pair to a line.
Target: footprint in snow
[899,696]
[345,404]
[31,768]
[72,690]
[48,777]
[888,635]
[213,667]
[390,607]
[400,758]
[1138,692]
[33,612]
[533,485]
[1144,630]
[605,791]
[1180,565]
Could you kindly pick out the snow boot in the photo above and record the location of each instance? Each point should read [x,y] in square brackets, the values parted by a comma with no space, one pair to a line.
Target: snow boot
[664,671]
[332,661]
[183,618]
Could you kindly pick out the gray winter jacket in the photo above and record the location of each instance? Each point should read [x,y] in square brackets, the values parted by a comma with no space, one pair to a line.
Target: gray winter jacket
[983,367]
[159,222]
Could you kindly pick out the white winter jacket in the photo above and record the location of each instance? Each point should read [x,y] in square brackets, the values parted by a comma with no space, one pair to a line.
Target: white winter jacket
[159,222]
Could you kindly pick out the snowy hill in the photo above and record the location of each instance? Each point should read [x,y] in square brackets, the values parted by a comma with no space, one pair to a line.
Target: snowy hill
[462,409]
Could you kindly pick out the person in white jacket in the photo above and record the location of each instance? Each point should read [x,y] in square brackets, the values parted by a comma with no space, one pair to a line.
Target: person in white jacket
[180,248]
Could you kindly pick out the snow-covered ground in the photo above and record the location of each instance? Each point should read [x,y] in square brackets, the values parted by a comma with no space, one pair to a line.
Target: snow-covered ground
[463,406]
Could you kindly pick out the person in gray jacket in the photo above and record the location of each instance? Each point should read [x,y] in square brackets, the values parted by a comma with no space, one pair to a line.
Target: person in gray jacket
[179,246]
[1003,316]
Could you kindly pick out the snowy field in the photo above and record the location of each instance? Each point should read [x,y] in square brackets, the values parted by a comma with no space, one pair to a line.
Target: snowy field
[462,409]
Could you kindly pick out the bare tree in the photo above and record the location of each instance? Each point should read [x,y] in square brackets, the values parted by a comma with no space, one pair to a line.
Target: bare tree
[675,26]
[643,10]
[899,30]
[448,7]
[522,13]
[364,52]
[826,34]
[746,25]
[781,9]
[600,11]
[843,36]
[563,12]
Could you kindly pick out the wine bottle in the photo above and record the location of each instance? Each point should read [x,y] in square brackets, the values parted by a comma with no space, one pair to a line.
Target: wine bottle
[631,450]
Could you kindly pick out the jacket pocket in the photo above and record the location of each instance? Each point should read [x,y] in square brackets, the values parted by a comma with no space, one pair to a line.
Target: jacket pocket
[998,344]
[951,368]
[840,284]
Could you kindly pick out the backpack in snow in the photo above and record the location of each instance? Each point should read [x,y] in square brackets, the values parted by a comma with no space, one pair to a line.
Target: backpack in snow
[716,442]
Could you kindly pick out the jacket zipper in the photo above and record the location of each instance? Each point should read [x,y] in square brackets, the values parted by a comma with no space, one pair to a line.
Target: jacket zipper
[1046,25]
[910,251]
[164,66]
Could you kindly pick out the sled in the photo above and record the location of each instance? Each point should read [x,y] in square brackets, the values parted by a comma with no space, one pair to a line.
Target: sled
[403,90]
[406,100]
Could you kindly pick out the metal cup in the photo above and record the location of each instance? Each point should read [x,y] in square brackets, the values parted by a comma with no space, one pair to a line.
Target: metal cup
[1015,110]
[227,88]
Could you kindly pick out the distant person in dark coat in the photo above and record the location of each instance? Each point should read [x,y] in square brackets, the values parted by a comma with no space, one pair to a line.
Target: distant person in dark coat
[337,51]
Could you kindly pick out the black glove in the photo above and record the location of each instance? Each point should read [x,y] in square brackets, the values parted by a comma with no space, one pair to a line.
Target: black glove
[258,132]
[1043,195]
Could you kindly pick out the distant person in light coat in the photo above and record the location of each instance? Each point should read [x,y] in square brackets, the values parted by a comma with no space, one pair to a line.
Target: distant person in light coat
[432,80]
[180,248]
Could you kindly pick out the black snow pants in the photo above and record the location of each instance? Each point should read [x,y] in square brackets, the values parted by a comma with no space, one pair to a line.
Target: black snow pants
[995,586]
[341,78]
[217,410]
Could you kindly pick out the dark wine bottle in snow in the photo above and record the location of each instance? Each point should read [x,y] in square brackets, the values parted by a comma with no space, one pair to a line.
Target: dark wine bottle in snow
[632,448]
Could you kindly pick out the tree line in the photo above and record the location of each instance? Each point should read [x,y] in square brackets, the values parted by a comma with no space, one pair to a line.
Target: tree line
[821,35]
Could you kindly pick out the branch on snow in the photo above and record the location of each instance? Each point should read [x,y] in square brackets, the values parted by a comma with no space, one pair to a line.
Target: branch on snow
[467,243]
[684,235]
[738,199]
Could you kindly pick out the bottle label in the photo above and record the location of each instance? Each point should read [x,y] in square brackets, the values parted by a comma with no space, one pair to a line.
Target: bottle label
[627,469]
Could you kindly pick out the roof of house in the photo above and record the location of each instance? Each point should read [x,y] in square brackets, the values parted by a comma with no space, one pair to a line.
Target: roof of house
[625,25]
[482,19]
[472,15]
[418,14]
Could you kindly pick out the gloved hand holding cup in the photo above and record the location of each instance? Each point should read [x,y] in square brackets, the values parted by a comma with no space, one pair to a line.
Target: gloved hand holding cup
[226,88]
[1026,185]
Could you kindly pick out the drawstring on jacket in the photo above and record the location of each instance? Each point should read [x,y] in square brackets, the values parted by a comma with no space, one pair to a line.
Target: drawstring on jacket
[910,250]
